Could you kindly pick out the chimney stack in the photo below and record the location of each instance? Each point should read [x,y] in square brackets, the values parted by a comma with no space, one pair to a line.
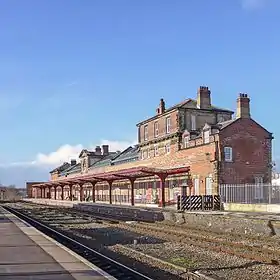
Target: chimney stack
[98,151]
[203,98]
[161,108]
[73,162]
[105,149]
[243,106]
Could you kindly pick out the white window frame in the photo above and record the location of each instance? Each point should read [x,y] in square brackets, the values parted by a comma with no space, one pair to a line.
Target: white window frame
[149,153]
[156,132]
[167,148]
[228,154]
[156,151]
[146,132]
[168,124]
[193,122]
[206,136]
[258,187]
[186,141]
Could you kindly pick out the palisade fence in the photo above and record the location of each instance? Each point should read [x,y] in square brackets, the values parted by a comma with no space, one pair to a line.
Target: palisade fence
[250,193]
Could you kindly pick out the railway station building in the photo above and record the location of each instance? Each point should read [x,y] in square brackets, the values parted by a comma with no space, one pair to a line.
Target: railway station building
[190,148]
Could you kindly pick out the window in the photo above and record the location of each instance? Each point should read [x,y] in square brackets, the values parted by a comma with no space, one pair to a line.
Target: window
[196,186]
[186,141]
[149,153]
[156,150]
[168,125]
[206,136]
[228,154]
[193,122]
[167,148]
[156,129]
[145,132]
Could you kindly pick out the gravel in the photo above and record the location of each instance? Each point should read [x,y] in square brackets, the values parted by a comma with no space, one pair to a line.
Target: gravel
[108,237]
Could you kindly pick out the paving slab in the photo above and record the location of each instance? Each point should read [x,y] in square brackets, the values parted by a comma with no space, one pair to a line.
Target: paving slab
[26,253]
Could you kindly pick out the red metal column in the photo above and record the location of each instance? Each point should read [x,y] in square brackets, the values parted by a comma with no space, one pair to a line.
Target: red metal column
[50,196]
[93,191]
[162,187]
[55,192]
[81,192]
[62,192]
[71,192]
[110,191]
[132,180]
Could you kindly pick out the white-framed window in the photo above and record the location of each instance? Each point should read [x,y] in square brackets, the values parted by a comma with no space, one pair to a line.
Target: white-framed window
[258,187]
[167,148]
[228,154]
[206,136]
[186,141]
[156,150]
[193,122]
[156,132]
[196,186]
[149,153]
[145,132]
[168,124]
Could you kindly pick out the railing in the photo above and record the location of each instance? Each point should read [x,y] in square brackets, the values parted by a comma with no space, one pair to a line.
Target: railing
[198,202]
[250,193]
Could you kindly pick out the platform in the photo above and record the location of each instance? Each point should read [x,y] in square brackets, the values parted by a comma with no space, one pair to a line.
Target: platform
[26,253]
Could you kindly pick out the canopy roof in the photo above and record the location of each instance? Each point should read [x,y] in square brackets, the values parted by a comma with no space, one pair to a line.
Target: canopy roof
[130,173]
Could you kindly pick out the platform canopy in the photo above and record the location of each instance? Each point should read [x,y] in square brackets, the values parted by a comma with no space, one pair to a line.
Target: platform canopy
[130,173]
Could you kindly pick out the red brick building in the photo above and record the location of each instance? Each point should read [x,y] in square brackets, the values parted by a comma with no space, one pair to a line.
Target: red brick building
[217,147]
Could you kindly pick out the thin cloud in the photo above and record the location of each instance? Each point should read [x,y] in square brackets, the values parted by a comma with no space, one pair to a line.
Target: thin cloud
[67,152]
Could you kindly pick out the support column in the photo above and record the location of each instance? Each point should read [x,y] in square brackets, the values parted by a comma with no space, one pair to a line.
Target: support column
[50,194]
[132,180]
[41,192]
[71,192]
[162,178]
[62,192]
[110,191]
[55,193]
[93,191]
[44,188]
[81,192]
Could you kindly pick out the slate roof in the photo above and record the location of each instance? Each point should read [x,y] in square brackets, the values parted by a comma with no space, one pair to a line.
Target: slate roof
[183,103]
[128,155]
[72,169]
[60,168]
[105,161]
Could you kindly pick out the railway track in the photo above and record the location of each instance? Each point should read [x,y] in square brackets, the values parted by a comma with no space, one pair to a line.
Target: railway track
[90,254]
[112,267]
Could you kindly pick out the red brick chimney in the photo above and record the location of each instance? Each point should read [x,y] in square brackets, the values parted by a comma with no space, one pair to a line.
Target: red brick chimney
[203,98]
[161,108]
[98,150]
[243,106]
[105,149]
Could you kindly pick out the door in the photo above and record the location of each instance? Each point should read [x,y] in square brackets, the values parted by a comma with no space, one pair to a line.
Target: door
[196,186]
[208,182]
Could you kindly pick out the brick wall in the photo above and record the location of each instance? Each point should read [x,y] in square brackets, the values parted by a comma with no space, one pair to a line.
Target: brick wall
[33,192]
[251,147]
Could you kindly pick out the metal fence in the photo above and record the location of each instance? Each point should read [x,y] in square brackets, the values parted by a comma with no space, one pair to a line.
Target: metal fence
[250,193]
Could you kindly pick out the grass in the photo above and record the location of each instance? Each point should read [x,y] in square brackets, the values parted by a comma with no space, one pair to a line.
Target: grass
[181,261]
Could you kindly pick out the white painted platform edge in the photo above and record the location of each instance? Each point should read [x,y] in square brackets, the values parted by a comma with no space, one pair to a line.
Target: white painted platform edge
[75,255]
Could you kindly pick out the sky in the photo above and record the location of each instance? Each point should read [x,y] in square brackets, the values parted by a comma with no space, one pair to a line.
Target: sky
[78,73]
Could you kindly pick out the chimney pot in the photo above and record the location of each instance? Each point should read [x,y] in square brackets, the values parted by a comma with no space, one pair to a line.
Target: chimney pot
[203,98]
[97,150]
[161,108]
[73,162]
[243,106]
[105,149]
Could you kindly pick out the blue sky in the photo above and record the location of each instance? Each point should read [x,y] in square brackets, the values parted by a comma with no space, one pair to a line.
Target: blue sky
[81,73]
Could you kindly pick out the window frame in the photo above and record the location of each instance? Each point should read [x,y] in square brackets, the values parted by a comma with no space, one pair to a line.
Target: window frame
[206,140]
[156,129]
[156,150]
[168,125]
[186,141]
[146,133]
[193,122]
[228,151]
[167,151]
